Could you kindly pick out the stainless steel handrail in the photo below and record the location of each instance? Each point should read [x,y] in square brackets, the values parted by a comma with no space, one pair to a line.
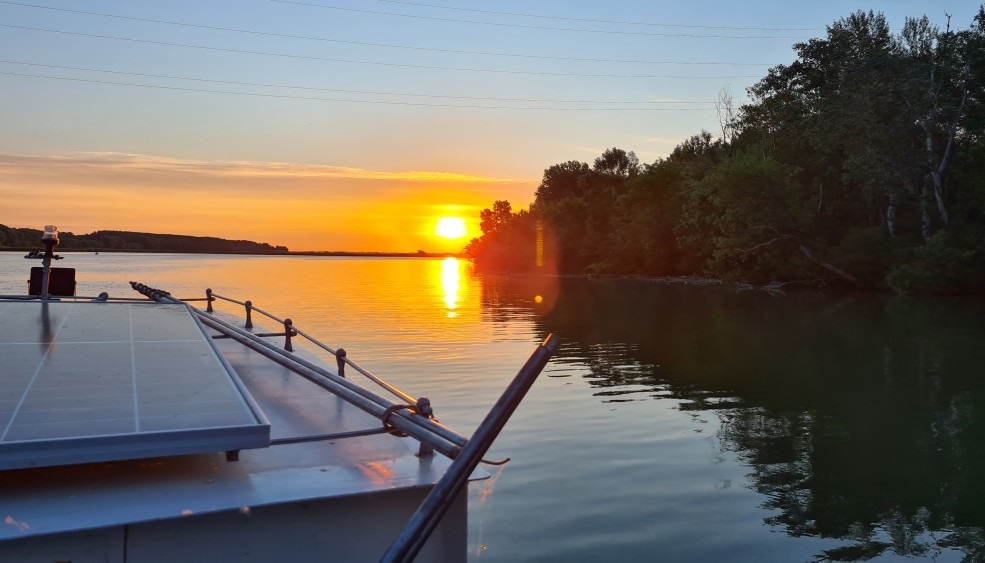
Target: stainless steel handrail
[410,421]
[340,354]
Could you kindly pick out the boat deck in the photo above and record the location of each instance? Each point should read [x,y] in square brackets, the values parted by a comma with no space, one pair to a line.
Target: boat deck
[343,499]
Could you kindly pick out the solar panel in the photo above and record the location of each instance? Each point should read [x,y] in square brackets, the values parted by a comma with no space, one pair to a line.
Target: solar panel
[83,382]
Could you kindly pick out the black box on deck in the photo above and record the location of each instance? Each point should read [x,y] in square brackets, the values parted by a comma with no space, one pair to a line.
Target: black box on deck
[61,281]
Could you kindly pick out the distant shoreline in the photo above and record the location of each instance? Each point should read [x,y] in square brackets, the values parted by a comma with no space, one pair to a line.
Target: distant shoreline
[335,253]
[16,239]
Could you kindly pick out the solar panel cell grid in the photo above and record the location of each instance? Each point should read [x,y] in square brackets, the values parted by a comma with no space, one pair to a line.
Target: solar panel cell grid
[77,372]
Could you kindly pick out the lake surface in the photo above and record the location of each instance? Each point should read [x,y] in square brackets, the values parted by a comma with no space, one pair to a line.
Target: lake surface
[676,423]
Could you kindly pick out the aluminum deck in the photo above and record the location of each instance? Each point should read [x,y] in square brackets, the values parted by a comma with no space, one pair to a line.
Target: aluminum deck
[344,499]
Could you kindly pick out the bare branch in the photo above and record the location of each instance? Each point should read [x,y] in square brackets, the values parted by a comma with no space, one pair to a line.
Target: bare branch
[727,118]
[767,243]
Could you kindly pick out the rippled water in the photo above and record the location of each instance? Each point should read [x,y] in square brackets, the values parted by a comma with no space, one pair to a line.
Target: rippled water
[677,423]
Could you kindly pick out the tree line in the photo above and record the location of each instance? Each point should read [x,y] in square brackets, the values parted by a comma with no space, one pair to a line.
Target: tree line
[22,238]
[859,164]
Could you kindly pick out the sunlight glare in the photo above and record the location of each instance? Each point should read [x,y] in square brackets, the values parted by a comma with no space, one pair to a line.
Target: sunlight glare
[450,282]
[450,227]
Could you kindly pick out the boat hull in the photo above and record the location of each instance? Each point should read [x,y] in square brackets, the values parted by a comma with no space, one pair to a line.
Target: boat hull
[352,529]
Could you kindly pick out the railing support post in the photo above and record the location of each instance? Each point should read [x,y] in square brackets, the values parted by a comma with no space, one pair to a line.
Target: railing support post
[209,299]
[340,360]
[423,408]
[288,333]
[249,314]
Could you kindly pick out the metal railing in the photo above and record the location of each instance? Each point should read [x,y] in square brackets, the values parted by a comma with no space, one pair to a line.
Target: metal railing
[415,418]
[341,357]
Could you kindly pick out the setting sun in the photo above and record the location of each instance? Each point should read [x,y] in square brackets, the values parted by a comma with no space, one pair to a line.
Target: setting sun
[450,227]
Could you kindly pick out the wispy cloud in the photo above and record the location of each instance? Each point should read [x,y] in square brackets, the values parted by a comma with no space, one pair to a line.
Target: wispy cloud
[122,162]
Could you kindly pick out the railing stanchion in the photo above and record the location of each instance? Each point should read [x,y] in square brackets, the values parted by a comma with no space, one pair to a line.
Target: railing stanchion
[288,333]
[209,298]
[249,314]
[423,408]
[340,360]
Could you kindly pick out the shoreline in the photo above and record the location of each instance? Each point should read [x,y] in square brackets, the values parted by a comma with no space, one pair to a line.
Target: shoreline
[775,288]
[341,253]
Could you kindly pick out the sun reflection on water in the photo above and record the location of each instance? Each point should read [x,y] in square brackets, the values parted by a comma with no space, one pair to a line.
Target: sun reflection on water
[451,279]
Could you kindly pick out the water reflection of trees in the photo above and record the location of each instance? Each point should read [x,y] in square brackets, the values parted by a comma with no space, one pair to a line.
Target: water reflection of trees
[862,419]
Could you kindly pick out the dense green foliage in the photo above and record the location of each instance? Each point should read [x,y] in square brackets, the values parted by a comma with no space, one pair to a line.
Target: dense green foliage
[860,164]
[130,241]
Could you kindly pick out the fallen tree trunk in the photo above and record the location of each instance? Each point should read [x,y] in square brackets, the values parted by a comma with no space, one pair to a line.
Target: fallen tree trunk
[830,267]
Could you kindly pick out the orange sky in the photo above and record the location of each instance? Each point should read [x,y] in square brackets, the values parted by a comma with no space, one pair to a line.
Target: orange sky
[303,207]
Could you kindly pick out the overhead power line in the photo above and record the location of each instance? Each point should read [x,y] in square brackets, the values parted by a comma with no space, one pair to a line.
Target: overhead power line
[350,91]
[595,20]
[344,100]
[371,44]
[536,27]
[376,63]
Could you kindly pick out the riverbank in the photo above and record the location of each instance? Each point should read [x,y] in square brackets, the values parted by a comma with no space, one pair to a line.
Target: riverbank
[341,253]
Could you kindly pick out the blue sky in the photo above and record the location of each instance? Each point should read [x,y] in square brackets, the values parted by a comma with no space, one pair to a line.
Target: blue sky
[496,92]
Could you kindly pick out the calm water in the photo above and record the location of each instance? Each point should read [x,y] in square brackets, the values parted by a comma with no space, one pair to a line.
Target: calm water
[677,423]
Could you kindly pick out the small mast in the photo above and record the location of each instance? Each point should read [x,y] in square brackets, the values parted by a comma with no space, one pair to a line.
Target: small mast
[50,241]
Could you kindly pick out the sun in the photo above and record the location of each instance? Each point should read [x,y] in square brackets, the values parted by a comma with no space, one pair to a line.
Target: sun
[450,227]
